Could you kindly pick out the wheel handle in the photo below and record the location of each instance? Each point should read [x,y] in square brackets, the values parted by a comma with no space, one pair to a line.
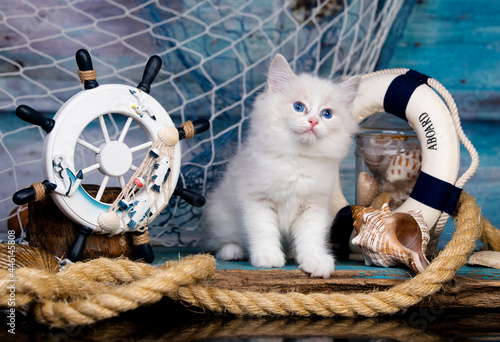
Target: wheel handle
[193,198]
[147,253]
[76,250]
[151,70]
[200,126]
[32,116]
[84,63]
[29,194]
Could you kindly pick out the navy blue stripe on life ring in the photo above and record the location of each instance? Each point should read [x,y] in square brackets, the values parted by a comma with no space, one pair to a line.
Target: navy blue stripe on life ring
[436,193]
[400,90]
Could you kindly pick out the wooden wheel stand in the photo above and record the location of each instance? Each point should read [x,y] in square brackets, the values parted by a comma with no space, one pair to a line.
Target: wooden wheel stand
[52,231]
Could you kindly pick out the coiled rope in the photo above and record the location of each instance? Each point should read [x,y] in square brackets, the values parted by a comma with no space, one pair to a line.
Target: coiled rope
[87,292]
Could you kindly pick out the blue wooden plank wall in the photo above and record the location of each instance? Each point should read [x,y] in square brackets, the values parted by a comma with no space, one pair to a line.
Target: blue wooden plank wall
[457,43]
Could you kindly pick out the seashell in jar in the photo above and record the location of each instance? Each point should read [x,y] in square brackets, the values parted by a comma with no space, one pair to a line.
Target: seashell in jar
[366,188]
[376,163]
[380,200]
[387,239]
[398,191]
[404,167]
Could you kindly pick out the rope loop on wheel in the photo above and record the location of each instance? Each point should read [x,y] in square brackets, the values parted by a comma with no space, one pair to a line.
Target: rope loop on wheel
[87,75]
[142,238]
[188,129]
[39,191]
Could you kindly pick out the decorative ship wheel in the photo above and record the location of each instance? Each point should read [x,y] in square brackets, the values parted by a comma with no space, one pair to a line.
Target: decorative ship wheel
[146,193]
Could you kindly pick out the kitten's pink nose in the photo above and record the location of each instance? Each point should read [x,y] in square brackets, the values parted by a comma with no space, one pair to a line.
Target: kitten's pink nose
[313,122]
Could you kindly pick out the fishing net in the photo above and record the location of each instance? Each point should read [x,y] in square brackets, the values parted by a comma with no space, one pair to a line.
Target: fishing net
[215,56]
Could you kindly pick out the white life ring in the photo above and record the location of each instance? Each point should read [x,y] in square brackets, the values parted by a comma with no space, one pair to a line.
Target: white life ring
[410,98]
[408,95]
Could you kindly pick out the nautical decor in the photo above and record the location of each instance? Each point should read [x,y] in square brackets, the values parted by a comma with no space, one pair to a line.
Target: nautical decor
[146,193]
[430,110]
[388,239]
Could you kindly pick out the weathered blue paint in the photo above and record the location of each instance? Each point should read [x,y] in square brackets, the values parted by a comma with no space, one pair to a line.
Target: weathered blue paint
[360,269]
[457,43]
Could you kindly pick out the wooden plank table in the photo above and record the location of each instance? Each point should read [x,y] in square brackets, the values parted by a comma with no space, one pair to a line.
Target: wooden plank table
[471,288]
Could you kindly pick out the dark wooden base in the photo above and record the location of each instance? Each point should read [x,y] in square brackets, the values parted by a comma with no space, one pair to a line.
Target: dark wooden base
[467,290]
[471,288]
[52,231]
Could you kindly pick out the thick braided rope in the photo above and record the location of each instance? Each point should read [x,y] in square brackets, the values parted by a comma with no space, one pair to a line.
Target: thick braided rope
[76,281]
[490,236]
[114,271]
[78,296]
[119,299]
[39,285]
[397,298]
[92,280]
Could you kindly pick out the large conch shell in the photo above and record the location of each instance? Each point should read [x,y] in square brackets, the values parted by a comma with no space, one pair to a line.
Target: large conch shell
[388,239]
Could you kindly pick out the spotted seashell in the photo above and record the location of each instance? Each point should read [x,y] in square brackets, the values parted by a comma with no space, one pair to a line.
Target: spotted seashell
[108,221]
[404,167]
[388,239]
[366,189]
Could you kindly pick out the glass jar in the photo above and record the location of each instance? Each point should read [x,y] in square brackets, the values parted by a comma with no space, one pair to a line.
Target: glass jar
[387,166]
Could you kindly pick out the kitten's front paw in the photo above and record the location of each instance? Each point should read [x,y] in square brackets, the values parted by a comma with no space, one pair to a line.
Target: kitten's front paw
[231,251]
[268,259]
[318,265]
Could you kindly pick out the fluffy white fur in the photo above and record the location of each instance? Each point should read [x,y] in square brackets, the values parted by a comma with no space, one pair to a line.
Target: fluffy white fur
[274,199]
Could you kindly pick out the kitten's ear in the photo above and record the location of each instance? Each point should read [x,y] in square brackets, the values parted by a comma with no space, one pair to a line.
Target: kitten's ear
[280,74]
[350,89]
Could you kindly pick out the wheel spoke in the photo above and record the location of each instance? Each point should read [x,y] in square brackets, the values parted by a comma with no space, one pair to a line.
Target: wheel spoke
[125,129]
[88,145]
[104,129]
[141,146]
[123,184]
[104,183]
[90,168]
[134,168]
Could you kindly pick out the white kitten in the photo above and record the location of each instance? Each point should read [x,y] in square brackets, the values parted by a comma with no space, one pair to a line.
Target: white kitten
[277,190]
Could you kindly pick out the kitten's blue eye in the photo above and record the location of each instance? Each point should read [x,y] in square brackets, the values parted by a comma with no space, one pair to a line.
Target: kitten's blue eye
[299,107]
[326,113]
